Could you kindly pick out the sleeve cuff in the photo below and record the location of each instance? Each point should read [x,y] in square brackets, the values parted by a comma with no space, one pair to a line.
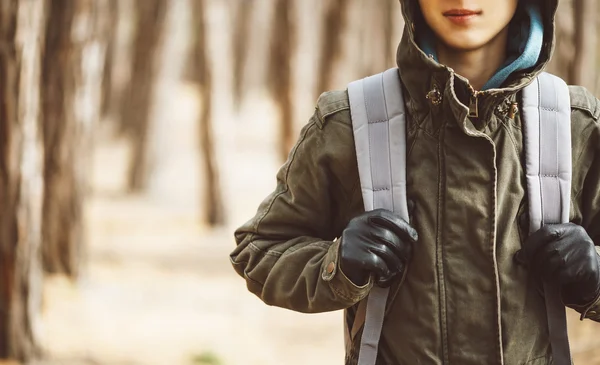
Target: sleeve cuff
[592,311]
[343,287]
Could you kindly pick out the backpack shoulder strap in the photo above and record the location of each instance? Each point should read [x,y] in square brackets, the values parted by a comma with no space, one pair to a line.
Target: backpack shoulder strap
[377,109]
[547,114]
[547,120]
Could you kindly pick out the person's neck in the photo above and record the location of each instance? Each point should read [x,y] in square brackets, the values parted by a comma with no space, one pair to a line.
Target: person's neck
[479,65]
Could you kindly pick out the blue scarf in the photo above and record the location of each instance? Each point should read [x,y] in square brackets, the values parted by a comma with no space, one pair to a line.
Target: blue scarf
[524,47]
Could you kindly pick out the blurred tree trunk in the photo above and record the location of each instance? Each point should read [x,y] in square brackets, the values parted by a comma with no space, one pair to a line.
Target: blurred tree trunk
[333,29]
[562,60]
[242,20]
[583,71]
[574,58]
[213,208]
[137,100]
[111,38]
[21,26]
[280,75]
[392,14]
[62,198]
[377,52]
[71,77]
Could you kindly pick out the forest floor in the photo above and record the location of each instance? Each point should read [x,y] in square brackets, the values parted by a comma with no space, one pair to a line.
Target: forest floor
[158,288]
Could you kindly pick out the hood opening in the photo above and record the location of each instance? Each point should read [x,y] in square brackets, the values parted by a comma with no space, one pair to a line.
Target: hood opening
[515,74]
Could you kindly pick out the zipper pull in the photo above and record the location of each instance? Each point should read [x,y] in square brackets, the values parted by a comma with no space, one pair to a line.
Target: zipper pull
[473,106]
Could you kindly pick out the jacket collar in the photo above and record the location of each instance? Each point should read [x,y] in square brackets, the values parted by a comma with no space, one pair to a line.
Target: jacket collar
[435,88]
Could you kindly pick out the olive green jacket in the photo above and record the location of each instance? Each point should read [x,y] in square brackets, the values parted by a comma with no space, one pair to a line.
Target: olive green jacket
[463,300]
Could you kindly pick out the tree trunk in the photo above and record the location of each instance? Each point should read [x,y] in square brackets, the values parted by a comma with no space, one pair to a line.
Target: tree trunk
[213,208]
[334,25]
[241,35]
[562,60]
[583,72]
[392,14]
[73,59]
[377,52]
[138,98]
[574,58]
[111,43]
[20,178]
[62,199]
[280,75]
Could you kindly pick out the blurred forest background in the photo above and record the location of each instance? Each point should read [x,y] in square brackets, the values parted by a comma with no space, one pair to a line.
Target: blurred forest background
[136,135]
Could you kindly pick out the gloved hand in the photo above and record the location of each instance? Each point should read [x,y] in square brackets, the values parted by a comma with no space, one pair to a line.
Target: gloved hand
[564,254]
[376,243]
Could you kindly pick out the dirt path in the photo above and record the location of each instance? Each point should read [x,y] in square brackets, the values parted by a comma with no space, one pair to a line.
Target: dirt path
[158,289]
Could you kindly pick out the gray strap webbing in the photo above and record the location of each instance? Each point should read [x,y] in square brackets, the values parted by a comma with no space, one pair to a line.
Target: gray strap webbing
[547,115]
[377,108]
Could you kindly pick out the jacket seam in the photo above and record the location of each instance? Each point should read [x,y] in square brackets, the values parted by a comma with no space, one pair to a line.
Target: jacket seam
[355,187]
[339,293]
[593,113]
[412,144]
[246,274]
[266,252]
[511,137]
[583,108]
[336,110]
[494,240]
[430,134]
[587,142]
[534,359]
[442,310]
[580,190]
[285,179]
[321,244]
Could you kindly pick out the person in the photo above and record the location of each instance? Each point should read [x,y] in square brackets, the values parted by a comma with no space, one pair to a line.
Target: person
[465,274]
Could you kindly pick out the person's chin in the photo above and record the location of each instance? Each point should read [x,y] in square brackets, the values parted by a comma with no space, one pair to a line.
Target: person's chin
[464,43]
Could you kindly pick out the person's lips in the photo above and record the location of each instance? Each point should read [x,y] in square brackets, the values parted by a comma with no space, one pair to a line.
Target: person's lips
[461,16]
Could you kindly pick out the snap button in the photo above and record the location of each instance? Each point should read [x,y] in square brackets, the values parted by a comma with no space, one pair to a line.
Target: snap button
[434,96]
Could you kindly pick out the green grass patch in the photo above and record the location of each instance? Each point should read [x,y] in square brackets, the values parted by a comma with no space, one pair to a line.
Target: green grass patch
[207,358]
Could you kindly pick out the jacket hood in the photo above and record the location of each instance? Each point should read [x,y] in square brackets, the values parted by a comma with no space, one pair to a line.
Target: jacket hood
[415,23]
[414,63]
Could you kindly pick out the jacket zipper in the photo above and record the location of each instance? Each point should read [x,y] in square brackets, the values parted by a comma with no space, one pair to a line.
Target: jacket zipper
[474,105]
[474,112]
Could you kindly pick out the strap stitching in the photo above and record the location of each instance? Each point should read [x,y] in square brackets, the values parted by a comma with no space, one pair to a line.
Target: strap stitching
[381,189]
[539,137]
[378,121]
[363,83]
[387,116]
[557,130]
[557,122]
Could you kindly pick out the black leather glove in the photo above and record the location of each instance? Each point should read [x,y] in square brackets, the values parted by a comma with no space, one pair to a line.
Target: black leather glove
[564,254]
[376,243]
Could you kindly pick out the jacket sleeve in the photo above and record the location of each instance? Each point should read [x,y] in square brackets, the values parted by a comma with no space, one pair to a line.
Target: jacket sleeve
[288,253]
[587,177]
